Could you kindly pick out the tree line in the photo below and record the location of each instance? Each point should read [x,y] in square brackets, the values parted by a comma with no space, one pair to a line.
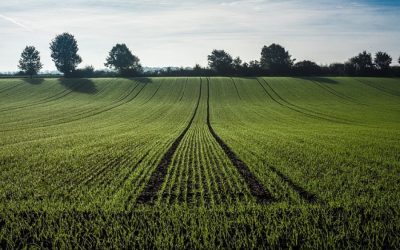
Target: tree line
[275,60]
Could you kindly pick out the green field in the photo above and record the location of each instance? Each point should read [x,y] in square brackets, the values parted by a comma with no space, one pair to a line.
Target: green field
[200,163]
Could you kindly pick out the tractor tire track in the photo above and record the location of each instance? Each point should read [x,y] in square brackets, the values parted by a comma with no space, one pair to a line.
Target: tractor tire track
[302,108]
[126,177]
[256,188]
[9,88]
[237,91]
[157,178]
[122,101]
[299,110]
[74,117]
[336,93]
[304,194]
[55,97]
[184,88]
[155,92]
[381,89]
[136,184]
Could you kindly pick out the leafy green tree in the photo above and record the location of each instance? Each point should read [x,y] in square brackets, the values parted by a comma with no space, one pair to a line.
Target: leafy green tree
[362,63]
[237,65]
[276,59]
[221,62]
[64,52]
[30,61]
[122,59]
[337,68]
[307,68]
[382,61]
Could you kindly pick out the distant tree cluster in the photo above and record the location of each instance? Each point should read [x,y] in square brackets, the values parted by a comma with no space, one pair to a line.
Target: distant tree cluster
[274,60]
[64,53]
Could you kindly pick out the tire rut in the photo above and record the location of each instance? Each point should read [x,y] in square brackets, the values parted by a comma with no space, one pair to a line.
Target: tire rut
[237,91]
[299,110]
[90,113]
[336,93]
[155,92]
[157,178]
[385,91]
[10,88]
[256,188]
[184,88]
[302,108]
[49,99]
[304,194]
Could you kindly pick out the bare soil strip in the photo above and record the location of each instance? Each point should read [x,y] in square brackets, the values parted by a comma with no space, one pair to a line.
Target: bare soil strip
[157,178]
[255,186]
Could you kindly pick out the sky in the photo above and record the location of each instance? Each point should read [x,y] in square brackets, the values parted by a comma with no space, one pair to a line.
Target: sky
[183,33]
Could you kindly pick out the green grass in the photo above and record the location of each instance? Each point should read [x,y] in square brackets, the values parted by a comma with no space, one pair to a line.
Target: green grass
[76,154]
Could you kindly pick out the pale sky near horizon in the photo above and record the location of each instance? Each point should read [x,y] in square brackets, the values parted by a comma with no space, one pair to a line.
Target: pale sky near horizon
[183,33]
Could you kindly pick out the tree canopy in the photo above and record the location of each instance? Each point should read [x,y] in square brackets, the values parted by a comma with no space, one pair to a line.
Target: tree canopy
[382,60]
[307,68]
[122,59]
[64,52]
[362,62]
[221,62]
[275,59]
[30,61]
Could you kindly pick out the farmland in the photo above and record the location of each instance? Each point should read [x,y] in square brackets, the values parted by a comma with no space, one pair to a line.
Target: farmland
[200,162]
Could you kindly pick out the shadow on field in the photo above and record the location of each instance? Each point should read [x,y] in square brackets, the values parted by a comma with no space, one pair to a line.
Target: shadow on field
[319,79]
[33,81]
[82,85]
[144,80]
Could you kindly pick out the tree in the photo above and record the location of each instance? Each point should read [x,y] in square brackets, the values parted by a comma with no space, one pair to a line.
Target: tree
[221,62]
[382,61]
[237,65]
[122,59]
[337,69]
[399,60]
[350,68]
[307,68]
[276,59]
[64,49]
[30,61]
[362,63]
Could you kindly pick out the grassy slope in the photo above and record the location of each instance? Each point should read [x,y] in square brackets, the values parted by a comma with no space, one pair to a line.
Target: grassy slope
[87,152]
[346,153]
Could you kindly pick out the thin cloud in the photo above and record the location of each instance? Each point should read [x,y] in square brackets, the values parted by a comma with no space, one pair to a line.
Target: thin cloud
[182,33]
[12,20]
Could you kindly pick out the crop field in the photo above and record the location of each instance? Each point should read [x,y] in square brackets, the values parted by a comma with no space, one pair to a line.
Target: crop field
[207,163]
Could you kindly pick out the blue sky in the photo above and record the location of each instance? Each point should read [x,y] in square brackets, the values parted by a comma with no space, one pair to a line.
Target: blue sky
[182,33]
